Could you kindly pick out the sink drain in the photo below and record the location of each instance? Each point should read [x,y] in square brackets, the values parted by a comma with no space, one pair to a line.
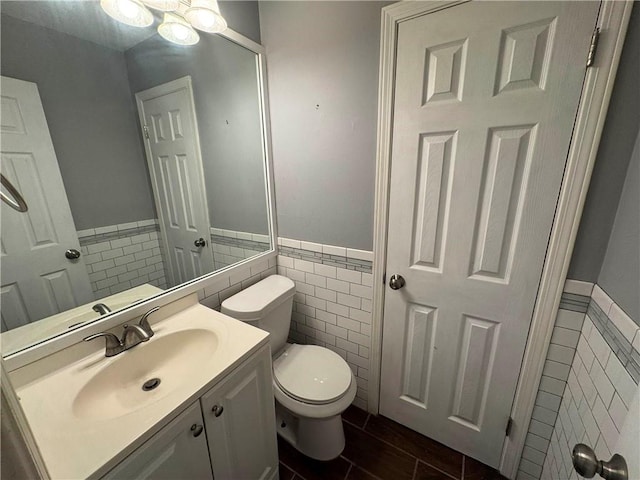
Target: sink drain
[150,384]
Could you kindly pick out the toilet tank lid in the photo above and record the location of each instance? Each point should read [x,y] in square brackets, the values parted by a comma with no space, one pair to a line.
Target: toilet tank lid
[260,298]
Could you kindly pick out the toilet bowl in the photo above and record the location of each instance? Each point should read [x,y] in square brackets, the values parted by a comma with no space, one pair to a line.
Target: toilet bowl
[312,385]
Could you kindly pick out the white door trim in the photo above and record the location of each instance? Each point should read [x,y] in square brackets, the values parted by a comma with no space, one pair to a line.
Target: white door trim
[612,20]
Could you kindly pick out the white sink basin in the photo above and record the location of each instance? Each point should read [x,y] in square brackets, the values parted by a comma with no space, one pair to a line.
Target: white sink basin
[117,389]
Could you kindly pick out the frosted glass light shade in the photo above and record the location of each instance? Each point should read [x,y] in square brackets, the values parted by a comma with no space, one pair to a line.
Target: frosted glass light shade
[162,5]
[205,15]
[130,12]
[176,29]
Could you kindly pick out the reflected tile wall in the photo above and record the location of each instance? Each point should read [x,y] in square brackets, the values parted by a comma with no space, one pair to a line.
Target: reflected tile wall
[230,246]
[123,256]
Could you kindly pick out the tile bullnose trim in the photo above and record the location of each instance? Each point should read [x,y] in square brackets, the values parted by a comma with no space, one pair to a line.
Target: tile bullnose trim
[344,257]
[578,287]
[117,231]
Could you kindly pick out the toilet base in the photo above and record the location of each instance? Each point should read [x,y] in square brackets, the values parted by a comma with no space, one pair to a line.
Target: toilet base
[318,438]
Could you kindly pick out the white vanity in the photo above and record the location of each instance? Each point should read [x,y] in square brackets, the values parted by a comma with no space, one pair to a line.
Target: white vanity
[211,414]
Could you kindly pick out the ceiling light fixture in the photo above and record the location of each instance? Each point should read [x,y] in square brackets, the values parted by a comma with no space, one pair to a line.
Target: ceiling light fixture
[130,12]
[162,5]
[205,15]
[180,17]
[176,29]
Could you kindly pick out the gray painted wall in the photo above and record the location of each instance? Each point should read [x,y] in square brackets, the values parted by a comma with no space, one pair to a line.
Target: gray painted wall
[242,16]
[93,122]
[87,102]
[620,273]
[618,138]
[227,107]
[323,86]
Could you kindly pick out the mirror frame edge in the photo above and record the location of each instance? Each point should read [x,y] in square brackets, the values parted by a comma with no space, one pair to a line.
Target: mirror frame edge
[64,340]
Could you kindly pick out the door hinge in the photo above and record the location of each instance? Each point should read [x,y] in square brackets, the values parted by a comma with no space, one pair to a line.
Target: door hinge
[507,430]
[146,131]
[593,47]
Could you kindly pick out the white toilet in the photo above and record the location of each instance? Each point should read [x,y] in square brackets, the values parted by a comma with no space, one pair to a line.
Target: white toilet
[312,385]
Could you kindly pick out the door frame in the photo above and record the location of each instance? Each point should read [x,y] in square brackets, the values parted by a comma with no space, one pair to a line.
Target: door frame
[613,20]
[182,83]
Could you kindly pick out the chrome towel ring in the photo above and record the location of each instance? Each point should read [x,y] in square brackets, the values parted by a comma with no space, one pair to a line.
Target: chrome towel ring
[17,202]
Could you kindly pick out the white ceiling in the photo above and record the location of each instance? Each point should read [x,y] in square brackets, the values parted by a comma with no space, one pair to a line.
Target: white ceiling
[79,18]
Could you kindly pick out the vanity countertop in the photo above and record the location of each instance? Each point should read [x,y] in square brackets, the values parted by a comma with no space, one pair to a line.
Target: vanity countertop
[83,432]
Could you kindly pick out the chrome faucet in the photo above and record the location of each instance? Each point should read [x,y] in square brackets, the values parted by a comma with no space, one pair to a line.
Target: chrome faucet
[101,308]
[132,336]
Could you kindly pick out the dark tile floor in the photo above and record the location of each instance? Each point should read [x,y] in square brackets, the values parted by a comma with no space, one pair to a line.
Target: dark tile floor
[379,448]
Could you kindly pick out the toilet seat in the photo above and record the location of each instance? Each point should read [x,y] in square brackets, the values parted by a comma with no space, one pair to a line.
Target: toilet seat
[312,374]
[308,410]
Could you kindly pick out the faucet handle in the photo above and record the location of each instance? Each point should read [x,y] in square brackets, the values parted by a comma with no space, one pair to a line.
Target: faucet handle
[113,344]
[144,323]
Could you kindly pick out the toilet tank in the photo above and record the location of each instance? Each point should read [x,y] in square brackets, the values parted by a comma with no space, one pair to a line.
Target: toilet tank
[267,305]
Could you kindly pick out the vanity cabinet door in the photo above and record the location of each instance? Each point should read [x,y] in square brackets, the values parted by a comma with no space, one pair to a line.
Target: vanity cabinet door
[178,451]
[240,421]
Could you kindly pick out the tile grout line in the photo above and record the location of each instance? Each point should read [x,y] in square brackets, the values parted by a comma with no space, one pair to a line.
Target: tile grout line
[367,471]
[366,420]
[353,424]
[280,461]
[348,469]
[433,467]
[402,450]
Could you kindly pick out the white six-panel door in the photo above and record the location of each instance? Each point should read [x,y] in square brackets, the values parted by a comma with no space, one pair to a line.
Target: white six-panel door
[485,99]
[168,117]
[37,279]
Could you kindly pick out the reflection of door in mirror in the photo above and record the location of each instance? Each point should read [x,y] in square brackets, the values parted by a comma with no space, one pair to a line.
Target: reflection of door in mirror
[38,280]
[168,117]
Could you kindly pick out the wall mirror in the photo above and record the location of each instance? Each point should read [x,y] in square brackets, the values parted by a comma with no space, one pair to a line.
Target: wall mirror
[141,162]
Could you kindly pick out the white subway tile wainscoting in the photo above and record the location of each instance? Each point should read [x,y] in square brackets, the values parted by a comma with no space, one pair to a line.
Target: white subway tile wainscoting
[123,256]
[332,305]
[590,377]
[231,246]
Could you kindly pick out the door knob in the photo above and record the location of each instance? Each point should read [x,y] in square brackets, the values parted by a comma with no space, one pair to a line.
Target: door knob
[196,429]
[396,282]
[72,254]
[587,465]
[200,242]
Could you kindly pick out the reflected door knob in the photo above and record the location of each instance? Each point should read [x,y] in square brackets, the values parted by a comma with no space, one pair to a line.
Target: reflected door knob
[587,465]
[396,282]
[200,242]
[196,429]
[72,254]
